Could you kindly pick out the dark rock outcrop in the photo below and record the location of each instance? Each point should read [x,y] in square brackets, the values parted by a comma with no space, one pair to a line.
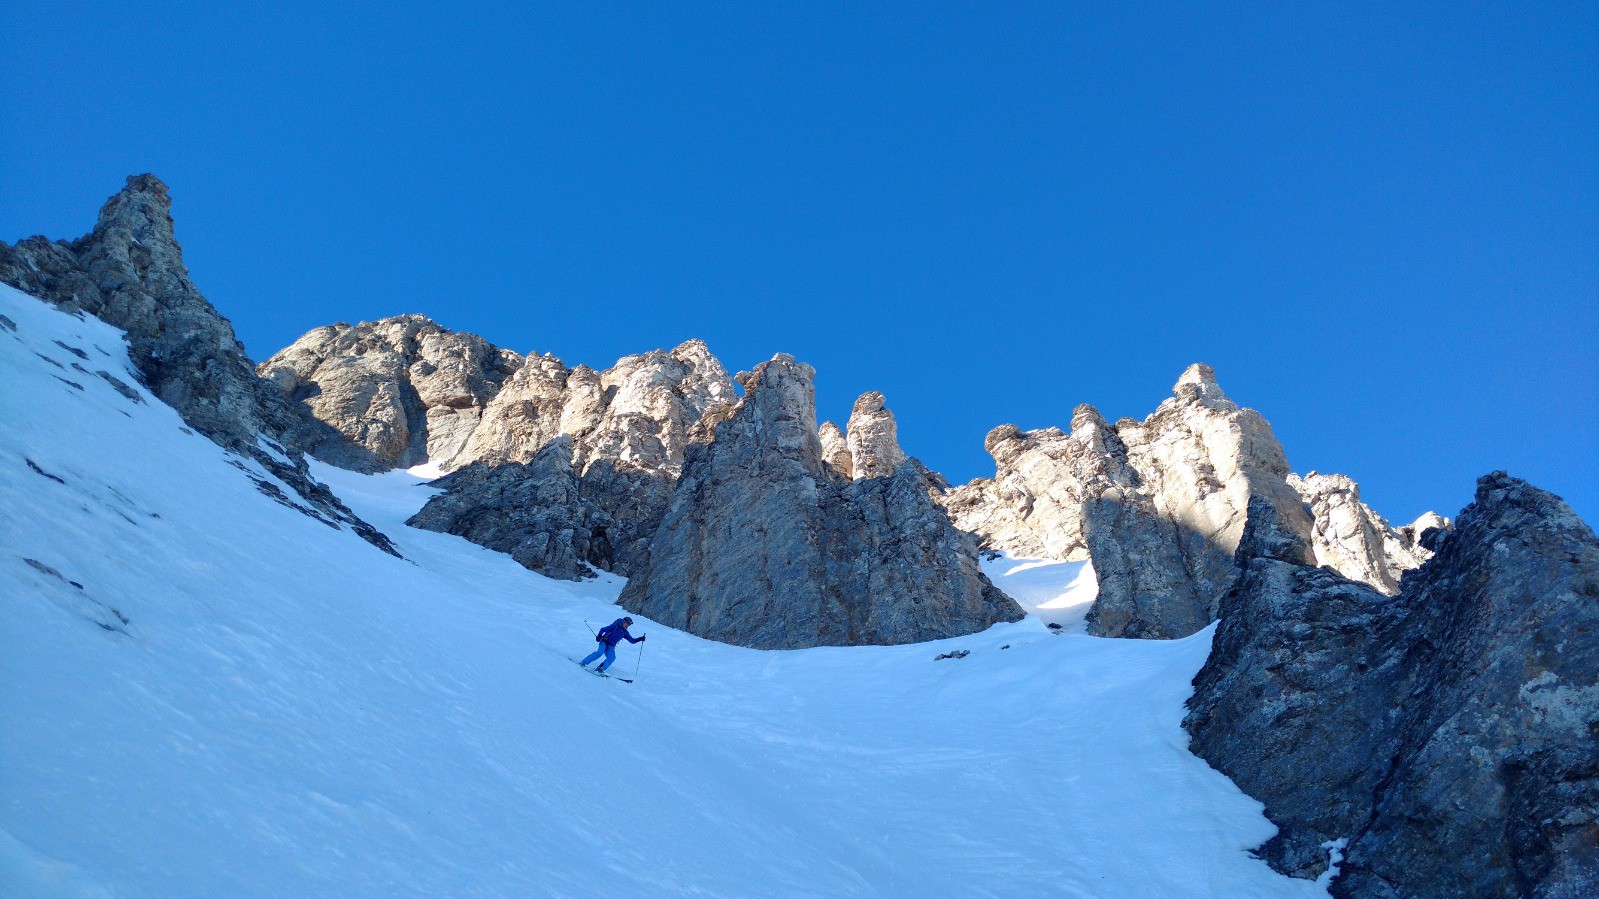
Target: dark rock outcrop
[1450,733]
[765,545]
[534,511]
[129,272]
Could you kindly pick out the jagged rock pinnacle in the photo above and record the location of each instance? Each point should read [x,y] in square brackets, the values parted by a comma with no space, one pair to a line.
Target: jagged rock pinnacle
[873,438]
[764,544]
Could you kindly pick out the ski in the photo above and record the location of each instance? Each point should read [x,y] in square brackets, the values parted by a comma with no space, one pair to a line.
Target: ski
[596,673]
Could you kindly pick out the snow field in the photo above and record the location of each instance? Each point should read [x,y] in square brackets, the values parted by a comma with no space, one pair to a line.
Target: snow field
[286,711]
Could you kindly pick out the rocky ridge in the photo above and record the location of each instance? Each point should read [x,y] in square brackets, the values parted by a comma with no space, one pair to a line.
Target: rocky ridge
[1425,693]
[1350,538]
[129,272]
[1456,721]
[403,390]
[1159,506]
[534,511]
[765,544]
[408,391]
[625,431]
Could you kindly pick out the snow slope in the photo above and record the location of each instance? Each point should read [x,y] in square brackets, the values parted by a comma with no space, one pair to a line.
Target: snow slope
[1055,592]
[205,692]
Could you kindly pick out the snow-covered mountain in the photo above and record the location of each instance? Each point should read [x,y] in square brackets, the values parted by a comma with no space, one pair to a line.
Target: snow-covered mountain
[210,692]
[228,670]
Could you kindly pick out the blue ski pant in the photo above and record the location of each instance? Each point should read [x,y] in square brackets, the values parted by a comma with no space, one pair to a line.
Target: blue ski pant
[608,651]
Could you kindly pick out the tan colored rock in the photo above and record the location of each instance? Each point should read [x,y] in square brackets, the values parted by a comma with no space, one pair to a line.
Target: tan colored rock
[835,450]
[1350,538]
[873,438]
[1158,505]
[626,431]
[404,389]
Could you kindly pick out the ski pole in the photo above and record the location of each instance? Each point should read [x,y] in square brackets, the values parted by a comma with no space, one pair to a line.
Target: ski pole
[594,633]
[640,662]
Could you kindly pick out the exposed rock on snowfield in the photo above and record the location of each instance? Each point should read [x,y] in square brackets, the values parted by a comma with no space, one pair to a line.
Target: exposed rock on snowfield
[1292,637]
[534,511]
[765,545]
[129,272]
[1158,505]
[624,430]
[402,389]
[1451,733]
[1348,537]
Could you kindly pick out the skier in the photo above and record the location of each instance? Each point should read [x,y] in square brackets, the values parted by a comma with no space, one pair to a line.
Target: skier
[609,636]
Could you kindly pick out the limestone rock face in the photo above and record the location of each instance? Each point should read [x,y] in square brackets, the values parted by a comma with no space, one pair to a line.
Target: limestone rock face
[1422,536]
[637,413]
[534,511]
[835,450]
[1201,458]
[625,431]
[1350,538]
[1448,732]
[129,272]
[402,389]
[873,438]
[1158,505]
[763,544]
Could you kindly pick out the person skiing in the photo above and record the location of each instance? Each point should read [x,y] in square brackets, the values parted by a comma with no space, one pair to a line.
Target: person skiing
[608,637]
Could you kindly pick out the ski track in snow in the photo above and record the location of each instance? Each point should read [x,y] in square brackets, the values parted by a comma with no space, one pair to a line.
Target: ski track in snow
[206,693]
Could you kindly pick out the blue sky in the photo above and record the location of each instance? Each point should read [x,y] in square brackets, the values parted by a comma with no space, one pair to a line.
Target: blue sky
[1380,223]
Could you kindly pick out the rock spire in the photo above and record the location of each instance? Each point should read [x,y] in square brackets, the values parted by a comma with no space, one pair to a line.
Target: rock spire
[764,544]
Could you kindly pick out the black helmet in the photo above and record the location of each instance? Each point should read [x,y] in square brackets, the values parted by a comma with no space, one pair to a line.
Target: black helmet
[627,621]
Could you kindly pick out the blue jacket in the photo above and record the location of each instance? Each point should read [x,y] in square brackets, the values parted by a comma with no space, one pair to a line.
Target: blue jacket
[614,633]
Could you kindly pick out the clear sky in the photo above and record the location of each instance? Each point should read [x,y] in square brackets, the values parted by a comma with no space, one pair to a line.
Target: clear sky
[1379,222]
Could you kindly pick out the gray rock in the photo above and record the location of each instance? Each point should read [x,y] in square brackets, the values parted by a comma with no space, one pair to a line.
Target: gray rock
[129,272]
[1292,637]
[625,431]
[1451,733]
[534,511]
[765,545]
[402,389]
